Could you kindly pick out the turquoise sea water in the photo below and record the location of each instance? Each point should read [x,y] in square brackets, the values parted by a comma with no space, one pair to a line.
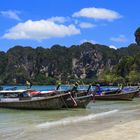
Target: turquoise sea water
[53,87]
[65,124]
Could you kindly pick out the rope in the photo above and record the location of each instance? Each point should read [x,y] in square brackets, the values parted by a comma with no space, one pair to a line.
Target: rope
[75,103]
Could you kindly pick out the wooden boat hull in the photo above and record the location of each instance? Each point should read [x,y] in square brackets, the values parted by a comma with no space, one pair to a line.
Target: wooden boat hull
[46,103]
[81,101]
[118,96]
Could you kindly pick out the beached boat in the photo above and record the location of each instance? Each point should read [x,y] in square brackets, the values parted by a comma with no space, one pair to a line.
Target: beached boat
[48,103]
[117,96]
[49,100]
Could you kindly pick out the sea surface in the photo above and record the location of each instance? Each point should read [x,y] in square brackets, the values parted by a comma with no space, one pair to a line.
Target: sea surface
[66,124]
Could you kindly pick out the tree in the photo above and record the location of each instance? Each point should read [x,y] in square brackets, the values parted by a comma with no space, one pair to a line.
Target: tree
[134,77]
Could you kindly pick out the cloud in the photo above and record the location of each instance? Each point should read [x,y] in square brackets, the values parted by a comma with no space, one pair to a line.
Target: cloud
[11,14]
[86,25]
[120,38]
[39,30]
[113,47]
[98,13]
[58,19]
[86,40]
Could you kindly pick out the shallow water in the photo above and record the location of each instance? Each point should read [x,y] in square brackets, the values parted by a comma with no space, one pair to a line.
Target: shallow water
[66,124]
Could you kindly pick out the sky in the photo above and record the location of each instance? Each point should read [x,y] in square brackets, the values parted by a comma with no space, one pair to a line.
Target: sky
[68,22]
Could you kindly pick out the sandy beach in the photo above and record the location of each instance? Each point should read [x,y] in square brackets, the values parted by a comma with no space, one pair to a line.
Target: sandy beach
[127,131]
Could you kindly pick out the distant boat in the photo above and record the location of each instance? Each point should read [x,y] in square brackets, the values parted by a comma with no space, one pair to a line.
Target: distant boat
[111,95]
[118,96]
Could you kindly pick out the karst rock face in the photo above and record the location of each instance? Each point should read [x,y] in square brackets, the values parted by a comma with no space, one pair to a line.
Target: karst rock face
[82,61]
[137,36]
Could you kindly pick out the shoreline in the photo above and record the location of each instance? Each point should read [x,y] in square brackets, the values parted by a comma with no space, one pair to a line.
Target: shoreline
[125,131]
[123,124]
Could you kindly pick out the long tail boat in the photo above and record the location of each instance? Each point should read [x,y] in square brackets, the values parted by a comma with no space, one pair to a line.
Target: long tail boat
[47,103]
[117,96]
[49,100]
[111,95]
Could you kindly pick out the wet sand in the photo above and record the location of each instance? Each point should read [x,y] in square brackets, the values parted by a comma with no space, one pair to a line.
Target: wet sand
[127,131]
